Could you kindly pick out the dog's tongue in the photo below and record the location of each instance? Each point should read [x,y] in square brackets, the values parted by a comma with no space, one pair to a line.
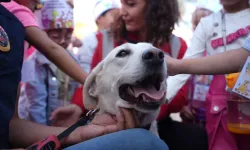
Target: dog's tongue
[151,92]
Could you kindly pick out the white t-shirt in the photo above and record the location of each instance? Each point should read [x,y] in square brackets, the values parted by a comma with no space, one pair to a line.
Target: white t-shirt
[208,37]
[87,50]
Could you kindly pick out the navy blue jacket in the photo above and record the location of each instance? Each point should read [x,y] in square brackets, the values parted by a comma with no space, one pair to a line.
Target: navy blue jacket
[11,58]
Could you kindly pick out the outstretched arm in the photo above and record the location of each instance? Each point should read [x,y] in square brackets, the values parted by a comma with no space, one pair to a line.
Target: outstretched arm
[55,53]
[223,63]
[23,133]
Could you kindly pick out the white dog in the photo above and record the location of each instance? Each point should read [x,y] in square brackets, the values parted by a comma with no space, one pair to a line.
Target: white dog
[131,76]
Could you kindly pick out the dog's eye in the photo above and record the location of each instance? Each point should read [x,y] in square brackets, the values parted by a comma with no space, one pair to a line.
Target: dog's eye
[123,53]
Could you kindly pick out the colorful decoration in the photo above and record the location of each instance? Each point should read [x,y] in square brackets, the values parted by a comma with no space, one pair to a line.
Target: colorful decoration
[242,85]
[231,79]
[4,41]
[57,14]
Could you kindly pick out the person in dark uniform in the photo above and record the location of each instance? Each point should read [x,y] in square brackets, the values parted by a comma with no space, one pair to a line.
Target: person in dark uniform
[11,58]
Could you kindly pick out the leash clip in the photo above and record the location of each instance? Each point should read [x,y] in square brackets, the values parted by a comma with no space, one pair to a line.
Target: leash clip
[91,113]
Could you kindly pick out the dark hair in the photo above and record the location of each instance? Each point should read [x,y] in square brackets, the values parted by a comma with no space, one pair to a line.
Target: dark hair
[160,19]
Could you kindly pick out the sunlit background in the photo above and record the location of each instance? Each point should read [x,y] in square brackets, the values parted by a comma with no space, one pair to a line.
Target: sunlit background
[84,21]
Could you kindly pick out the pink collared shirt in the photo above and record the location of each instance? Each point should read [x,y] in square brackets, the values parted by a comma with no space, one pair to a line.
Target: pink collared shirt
[24,15]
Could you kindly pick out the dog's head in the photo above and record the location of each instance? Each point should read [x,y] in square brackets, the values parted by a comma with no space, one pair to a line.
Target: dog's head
[133,75]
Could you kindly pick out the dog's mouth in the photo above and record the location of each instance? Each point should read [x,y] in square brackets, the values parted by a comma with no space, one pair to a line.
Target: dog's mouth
[147,93]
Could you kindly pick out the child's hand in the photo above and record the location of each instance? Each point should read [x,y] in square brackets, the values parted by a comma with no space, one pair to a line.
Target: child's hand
[103,124]
[66,116]
[172,65]
[187,114]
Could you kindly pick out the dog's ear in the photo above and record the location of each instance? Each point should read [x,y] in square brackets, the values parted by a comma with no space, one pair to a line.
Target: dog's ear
[89,91]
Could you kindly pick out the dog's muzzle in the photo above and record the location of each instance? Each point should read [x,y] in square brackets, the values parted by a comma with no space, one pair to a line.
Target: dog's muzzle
[153,57]
[148,92]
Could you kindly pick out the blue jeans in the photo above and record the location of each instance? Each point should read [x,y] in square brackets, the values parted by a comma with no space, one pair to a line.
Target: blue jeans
[133,139]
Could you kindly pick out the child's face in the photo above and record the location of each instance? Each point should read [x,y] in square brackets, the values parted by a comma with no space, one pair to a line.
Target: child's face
[104,22]
[133,14]
[61,37]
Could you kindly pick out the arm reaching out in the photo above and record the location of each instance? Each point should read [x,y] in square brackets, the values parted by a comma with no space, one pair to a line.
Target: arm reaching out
[55,53]
[223,63]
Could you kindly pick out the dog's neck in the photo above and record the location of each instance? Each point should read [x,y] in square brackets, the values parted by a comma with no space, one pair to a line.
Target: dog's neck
[139,115]
[145,118]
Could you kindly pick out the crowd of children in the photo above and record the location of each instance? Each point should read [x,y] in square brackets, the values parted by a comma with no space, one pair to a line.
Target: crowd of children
[49,99]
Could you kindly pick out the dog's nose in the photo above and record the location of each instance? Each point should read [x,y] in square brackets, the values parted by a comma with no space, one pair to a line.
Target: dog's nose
[153,56]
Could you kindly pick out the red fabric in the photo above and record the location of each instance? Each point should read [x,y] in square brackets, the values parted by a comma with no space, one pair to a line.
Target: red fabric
[29,52]
[77,98]
[97,57]
[183,49]
[176,104]
[181,98]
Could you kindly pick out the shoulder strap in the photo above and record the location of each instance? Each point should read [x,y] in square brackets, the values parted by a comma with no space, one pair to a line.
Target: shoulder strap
[175,45]
[107,43]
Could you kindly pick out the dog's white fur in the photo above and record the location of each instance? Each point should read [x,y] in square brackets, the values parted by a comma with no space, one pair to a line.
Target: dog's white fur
[101,87]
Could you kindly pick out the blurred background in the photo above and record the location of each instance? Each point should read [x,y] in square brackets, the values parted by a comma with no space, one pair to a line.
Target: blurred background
[85,23]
